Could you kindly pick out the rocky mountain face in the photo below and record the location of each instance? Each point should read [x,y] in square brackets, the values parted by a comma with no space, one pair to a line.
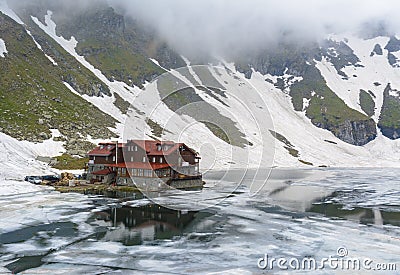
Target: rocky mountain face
[110,43]
[37,69]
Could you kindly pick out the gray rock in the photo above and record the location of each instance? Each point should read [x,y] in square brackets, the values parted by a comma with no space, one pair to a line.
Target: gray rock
[43,135]
[71,141]
[356,132]
[44,159]
[74,152]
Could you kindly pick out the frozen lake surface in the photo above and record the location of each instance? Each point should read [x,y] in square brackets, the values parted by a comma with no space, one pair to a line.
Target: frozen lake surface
[223,229]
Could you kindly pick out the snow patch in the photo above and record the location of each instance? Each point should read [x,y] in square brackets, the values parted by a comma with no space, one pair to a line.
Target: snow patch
[4,8]
[50,29]
[51,60]
[34,40]
[394,93]
[40,48]
[3,49]
[14,187]
[306,103]
[19,157]
[157,63]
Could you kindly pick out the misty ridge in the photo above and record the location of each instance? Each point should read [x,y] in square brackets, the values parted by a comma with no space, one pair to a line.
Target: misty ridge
[226,28]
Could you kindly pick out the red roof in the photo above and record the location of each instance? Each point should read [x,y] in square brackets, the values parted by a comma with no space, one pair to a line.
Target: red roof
[140,165]
[104,149]
[103,172]
[151,147]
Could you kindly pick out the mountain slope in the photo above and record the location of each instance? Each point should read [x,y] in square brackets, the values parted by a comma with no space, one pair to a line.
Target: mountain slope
[332,103]
[34,98]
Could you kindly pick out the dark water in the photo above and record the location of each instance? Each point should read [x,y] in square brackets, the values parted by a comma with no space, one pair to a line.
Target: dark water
[137,225]
[296,214]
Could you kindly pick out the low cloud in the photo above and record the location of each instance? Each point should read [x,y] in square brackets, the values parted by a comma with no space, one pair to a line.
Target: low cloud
[222,26]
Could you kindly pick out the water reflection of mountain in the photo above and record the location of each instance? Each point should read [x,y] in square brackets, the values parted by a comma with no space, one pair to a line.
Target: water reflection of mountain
[358,214]
[135,225]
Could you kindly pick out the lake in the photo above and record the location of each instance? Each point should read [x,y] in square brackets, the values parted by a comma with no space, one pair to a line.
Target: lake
[226,228]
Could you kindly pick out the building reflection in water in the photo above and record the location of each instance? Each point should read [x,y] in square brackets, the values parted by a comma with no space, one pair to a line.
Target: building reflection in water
[136,225]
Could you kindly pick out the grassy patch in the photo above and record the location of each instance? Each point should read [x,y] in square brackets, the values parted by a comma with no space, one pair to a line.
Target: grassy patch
[118,63]
[156,128]
[121,103]
[390,114]
[306,162]
[367,103]
[217,131]
[68,162]
[95,189]
[288,146]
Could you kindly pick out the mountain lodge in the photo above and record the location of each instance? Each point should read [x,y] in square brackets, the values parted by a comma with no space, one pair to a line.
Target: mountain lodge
[142,161]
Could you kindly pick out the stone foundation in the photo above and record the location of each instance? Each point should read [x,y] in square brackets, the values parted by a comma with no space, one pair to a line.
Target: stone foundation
[157,184]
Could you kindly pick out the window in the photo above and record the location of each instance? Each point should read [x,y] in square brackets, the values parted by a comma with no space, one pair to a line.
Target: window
[154,159]
[101,147]
[135,148]
[161,161]
[144,159]
[113,158]
[131,159]
[158,147]
[94,157]
[106,158]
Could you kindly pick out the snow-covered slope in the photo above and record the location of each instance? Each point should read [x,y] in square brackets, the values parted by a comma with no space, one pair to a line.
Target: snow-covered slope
[3,48]
[19,160]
